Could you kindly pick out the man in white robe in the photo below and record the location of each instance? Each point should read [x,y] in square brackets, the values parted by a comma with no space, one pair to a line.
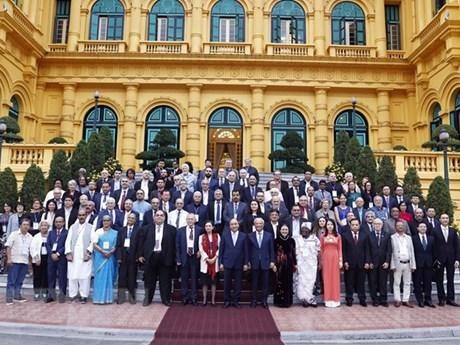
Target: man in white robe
[78,249]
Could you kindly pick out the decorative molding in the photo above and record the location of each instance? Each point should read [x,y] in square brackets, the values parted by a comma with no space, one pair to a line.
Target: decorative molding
[304,109]
[368,113]
[145,108]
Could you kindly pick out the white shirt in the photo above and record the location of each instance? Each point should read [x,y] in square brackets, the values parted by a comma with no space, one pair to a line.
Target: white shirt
[422,237]
[205,197]
[234,237]
[295,227]
[403,247]
[158,237]
[445,232]
[20,247]
[275,228]
[67,216]
[190,243]
[145,188]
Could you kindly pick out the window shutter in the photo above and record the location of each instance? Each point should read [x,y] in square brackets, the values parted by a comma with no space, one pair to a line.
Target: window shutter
[179,36]
[215,26]
[239,23]
[300,26]
[153,27]
[162,29]
[102,28]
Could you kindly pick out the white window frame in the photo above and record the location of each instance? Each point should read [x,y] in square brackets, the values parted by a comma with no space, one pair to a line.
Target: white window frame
[225,29]
[162,28]
[350,29]
[61,30]
[102,28]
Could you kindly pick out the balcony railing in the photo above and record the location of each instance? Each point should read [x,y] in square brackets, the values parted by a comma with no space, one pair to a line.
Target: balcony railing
[163,47]
[290,49]
[57,48]
[20,156]
[396,54]
[232,48]
[103,47]
[358,52]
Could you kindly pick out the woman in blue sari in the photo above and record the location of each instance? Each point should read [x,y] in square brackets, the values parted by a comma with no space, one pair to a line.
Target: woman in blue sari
[104,263]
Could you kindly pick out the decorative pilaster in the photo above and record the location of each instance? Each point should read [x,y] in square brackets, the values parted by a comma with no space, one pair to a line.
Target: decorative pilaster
[258,29]
[383,119]
[320,38]
[128,150]
[321,138]
[196,34]
[134,32]
[257,141]
[380,29]
[193,124]
[68,111]
[74,26]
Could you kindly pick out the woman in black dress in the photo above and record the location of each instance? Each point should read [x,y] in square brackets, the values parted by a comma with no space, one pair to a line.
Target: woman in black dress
[286,265]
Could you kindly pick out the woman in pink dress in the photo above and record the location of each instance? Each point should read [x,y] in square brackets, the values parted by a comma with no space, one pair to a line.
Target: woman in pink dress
[331,263]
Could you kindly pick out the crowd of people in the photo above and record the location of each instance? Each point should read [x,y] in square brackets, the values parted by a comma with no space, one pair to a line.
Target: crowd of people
[220,224]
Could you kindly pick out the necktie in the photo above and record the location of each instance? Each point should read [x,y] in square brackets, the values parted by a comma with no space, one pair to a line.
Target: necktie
[218,212]
[355,236]
[235,208]
[322,193]
[253,192]
[130,230]
[122,202]
[259,239]
[177,219]
[424,242]
[190,237]
[378,238]
[445,233]
[105,198]
[165,207]
[311,202]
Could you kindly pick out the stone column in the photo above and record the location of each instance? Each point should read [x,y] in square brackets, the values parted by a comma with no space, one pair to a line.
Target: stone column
[383,119]
[196,34]
[74,26]
[322,146]
[129,144]
[68,111]
[257,138]
[134,32]
[319,38]
[380,28]
[193,124]
[258,30]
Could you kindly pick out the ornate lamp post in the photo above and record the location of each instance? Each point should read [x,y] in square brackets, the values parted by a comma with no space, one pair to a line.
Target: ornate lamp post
[353,122]
[96,109]
[444,143]
[2,131]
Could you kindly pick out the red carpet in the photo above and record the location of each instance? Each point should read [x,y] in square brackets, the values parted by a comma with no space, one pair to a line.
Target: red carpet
[217,326]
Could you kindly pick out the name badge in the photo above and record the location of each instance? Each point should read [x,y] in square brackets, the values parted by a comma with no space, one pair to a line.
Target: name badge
[35,225]
[44,251]
[197,218]
[54,248]
[4,228]
[334,193]
[353,204]
[371,204]
[343,222]
[127,242]
[105,245]
[141,217]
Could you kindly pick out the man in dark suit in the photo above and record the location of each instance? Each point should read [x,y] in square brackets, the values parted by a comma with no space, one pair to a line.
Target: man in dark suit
[398,197]
[293,194]
[277,182]
[145,184]
[380,251]
[235,209]
[295,221]
[93,195]
[233,258]
[422,276]
[252,171]
[206,175]
[105,177]
[356,258]
[386,197]
[216,211]
[165,202]
[159,258]
[419,218]
[128,252]
[431,218]
[447,257]
[120,195]
[308,181]
[274,225]
[115,214]
[250,192]
[359,211]
[415,204]
[57,261]
[199,211]
[261,259]
[334,187]
[187,258]
[183,193]
[231,185]
[68,212]
[149,216]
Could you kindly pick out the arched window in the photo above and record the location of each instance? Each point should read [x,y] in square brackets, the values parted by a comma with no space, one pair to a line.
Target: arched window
[61,21]
[107,17]
[227,21]
[284,121]
[455,115]
[158,118]
[357,124]
[348,24]
[14,108]
[436,119]
[225,137]
[166,21]
[288,22]
[104,117]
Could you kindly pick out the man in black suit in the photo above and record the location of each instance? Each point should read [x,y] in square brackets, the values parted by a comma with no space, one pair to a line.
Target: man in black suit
[274,225]
[165,202]
[399,197]
[386,197]
[187,258]
[183,193]
[414,204]
[418,218]
[233,258]
[293,194]
[334,187]
[149,216]
[199,211]
[68,212]
[261,256]
[359,211]
[93,195]
[120,195]
[230,185]
[128,252]
[308,181]
[235,209]
[278,183]
[216,211]
[158,257]
[356,258]
[447,257]
[295,221]
[145,184]
[380,251]
[431,218]
[252,171]
[250,192]
[423,250]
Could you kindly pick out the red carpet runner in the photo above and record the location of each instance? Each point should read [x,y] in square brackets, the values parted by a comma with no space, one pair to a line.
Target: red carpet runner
[217,326]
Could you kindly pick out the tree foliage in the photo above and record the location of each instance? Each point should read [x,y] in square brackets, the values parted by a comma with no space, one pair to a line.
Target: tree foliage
[163,147]
[80,158]
[412,185]
[453,143]
[12,130]
[105,137]
[352,152]
[57,140]
[366,165]
[95,153]
[386,174]
[439,198]
[59,169]
[8,188]
[292,153]
[33,186]
[341,143]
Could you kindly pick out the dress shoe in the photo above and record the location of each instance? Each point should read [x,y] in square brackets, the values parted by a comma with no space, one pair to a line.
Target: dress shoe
[429,304]
[131,299]
[375,304]
[167,303]
[384,304]
[83,300]
[253,305]
[237,305]
[184,302]
[194,303]
[407,304]
[226,305]
[363,303]
[204,304]
[305,304]
[349,303]
[265,305]
[421,305]
[314,305]
[49,300]
[61,298]
[453,304]
[397,304]
[146,302]
[442,303]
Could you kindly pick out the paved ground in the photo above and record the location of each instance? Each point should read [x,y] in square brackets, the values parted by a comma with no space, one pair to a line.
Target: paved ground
[8,339]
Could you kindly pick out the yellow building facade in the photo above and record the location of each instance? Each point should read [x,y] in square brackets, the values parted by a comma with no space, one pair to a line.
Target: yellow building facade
[229,77]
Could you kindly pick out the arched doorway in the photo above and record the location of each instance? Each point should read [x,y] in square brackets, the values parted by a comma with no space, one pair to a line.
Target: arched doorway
[225,137]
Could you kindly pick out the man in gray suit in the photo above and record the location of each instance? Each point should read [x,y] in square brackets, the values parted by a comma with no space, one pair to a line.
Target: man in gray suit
[402,263]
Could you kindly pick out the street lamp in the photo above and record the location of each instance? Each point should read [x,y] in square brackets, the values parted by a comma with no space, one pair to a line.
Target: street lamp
[444,143]
[353,122]
[2,131]
[96,109]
